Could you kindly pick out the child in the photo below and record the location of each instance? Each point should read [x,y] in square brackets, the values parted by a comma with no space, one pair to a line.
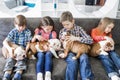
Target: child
[79,34]
[20,35]
[45,31]
[111,62]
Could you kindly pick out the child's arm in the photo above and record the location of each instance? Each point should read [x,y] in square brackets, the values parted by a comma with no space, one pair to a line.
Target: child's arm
[96,37]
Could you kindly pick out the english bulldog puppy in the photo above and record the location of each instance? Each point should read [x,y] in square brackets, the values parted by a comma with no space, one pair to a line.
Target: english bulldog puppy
[74,46]
[31,49]
[19,53]
[52,45]
[102,47]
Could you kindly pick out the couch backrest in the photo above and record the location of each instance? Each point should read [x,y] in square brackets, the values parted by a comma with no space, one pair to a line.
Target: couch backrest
[6,24]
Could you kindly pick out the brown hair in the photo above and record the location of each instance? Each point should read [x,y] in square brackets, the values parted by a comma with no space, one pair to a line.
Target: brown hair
[46,21]
[20,20]
[66,16]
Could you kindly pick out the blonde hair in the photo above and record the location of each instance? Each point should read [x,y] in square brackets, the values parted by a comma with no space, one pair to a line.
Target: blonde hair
[106,21]
[20,20]
[66,16]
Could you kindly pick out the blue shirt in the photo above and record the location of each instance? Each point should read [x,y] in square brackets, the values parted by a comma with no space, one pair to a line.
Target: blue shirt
[19,38]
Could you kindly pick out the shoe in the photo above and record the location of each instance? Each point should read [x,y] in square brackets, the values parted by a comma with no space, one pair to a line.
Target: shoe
[17,76]
[48,75]
[39,76]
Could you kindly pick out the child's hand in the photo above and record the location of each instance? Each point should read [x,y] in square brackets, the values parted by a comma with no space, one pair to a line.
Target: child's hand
[40,38]
[62,55]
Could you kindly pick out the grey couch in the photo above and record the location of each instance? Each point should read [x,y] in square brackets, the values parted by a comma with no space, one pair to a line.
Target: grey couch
[59,65]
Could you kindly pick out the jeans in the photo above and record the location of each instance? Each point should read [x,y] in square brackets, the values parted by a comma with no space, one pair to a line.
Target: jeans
[111,63]
[44,62]
[72,68]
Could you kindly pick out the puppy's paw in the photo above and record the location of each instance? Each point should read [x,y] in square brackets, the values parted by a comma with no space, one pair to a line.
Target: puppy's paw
[74,58]
[62,55]
[103,53]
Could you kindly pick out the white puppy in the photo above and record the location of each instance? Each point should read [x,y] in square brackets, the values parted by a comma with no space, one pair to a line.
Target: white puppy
[106,45]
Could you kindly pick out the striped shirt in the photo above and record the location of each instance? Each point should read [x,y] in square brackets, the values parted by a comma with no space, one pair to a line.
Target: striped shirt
[19,38]
[78,32]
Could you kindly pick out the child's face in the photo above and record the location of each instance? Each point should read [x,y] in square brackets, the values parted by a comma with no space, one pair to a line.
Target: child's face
[68,25]
[109,28]
[47,29]
[20,28]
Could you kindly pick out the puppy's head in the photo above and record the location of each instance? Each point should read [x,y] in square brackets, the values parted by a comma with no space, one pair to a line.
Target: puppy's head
[64,34]
[55,44]
[19,53]
[108,46]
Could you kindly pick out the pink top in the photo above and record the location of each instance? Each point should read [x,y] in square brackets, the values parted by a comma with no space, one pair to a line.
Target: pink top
[46,35]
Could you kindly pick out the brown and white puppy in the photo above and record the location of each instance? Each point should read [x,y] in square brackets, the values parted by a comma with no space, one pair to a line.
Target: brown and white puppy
[52,45]
[5,51]
[102,47]
[74,46]
[19,53]
[31,49]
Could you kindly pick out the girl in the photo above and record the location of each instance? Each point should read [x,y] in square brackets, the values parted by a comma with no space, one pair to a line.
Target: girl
[45,31]
[111,62]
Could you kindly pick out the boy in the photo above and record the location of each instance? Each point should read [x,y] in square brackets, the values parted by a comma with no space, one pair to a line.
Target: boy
[19,36]
[80,35]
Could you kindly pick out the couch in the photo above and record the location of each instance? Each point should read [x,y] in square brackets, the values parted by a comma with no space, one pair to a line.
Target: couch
[59,65]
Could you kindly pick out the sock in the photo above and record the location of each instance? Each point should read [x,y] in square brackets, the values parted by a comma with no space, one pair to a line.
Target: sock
[17,76]
[39,76]
[47,75]
[119,71]
[6,76]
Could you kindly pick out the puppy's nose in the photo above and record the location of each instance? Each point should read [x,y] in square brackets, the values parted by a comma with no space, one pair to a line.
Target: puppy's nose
[24,56]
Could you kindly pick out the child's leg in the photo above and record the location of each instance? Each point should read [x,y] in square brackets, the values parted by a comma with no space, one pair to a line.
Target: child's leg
[116,59]
[7,75]
[8,68]
[18,75]
[40,66]
[48,65]
[20,67]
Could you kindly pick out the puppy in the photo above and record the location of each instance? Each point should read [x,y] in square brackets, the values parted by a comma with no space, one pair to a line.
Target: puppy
[102,47]
[74,46]
[19,53]
[31,50]
[5,51]
[53,45]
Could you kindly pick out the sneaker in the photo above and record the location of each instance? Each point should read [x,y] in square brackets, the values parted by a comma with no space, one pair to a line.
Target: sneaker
[48,75]
[115,77]
[17,76]
[40,76]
